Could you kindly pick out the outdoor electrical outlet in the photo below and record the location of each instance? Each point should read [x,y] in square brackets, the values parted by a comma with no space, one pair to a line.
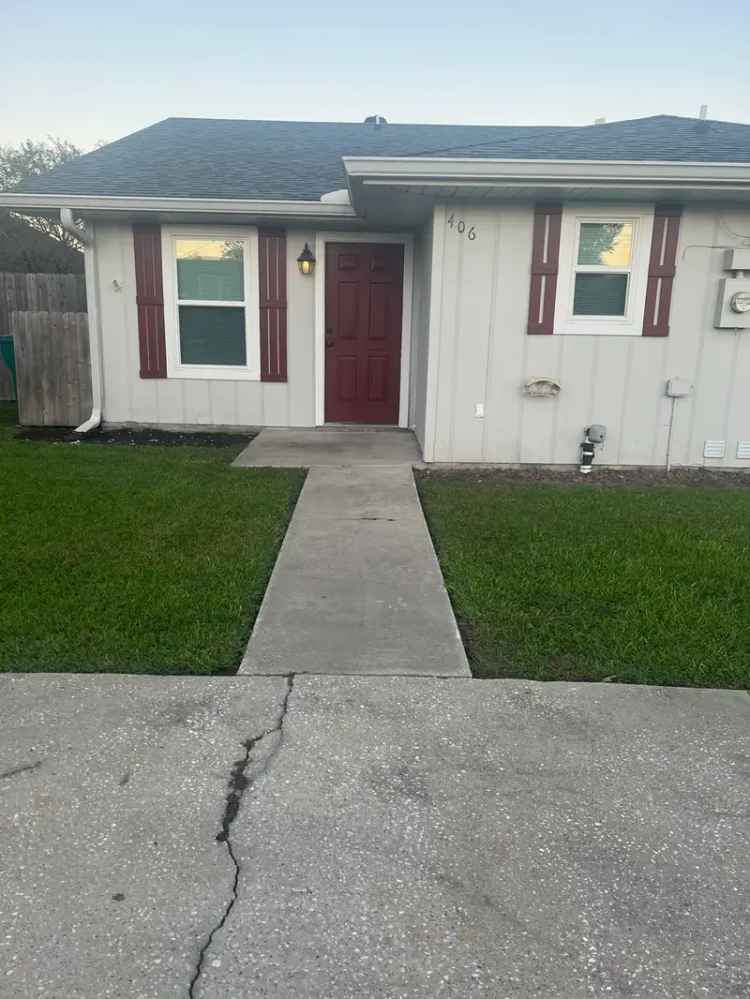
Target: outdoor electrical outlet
[479,410]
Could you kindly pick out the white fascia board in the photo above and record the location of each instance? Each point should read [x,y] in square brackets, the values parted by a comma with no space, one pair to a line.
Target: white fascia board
[223,206]
[429,170]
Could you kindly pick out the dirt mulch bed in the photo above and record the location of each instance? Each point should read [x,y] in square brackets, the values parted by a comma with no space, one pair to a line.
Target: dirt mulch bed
[162,438]
[707,477]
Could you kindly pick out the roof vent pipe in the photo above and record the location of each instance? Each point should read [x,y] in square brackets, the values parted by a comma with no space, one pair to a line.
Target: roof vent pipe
[377,120]
[703,113]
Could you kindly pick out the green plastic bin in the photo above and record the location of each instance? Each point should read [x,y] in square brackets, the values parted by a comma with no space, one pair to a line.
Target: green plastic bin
[8,354]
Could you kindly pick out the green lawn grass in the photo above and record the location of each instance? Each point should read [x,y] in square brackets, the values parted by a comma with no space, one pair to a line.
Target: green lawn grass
[132,559]
[584,582]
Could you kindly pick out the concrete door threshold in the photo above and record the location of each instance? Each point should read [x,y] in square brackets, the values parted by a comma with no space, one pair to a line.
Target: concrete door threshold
[340,446]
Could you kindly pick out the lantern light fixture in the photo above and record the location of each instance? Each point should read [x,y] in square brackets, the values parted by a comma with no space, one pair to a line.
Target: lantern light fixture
[306,261]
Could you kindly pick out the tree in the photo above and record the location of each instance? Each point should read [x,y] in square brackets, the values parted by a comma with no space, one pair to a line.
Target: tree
[27,251]
[29,159]
[18,163]
[602,239]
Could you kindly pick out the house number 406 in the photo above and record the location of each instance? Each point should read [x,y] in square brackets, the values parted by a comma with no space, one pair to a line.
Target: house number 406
[461,228]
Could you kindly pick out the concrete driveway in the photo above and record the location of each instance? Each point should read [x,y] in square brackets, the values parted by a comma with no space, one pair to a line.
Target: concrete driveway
[377,837]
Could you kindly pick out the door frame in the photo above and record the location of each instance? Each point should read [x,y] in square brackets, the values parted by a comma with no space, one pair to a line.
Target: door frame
[407,241]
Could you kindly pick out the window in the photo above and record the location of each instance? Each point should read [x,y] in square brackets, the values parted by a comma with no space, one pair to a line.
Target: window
[211,303]
[602,271]
[602,268]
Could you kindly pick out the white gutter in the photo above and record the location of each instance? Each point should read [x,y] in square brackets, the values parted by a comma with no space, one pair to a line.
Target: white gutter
[442,169]
[224,206]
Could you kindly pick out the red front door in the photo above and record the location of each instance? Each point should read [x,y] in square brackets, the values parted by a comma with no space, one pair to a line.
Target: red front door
[364,285]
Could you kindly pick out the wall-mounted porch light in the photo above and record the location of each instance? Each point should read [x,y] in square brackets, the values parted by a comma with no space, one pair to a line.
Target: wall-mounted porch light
[306,261]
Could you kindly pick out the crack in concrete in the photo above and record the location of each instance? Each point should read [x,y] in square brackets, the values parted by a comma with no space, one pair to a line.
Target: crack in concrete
[390,520]
[6,774]
[239,783]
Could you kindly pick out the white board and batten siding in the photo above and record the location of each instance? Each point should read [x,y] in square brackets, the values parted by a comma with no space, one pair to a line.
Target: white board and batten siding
[130,399]
[470,349]
[480,354]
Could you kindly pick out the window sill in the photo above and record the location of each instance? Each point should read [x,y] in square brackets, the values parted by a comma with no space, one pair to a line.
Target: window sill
[208,372]
[629,332]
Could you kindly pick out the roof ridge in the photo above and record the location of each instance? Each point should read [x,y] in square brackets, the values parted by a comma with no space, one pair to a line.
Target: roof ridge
[390,124]
[544,132]
[673,117]
[442,124]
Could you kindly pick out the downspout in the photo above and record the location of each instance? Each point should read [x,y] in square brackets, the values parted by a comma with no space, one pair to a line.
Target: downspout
[86,236]
[668,461]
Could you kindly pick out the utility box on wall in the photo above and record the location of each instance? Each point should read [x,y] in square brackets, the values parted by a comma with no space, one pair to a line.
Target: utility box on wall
[738,259]
[677,388]
[733,306]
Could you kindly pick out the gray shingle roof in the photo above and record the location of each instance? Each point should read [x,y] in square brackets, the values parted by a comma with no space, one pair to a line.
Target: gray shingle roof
[221,158]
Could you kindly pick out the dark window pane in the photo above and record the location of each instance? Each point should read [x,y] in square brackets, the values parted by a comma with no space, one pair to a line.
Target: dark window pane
[212,335]
[600,294]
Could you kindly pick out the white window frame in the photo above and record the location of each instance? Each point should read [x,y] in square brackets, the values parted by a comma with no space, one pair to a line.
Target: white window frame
[246,235]
[631,324]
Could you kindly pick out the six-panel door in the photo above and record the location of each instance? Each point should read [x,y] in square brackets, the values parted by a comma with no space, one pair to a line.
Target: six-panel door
[364,291]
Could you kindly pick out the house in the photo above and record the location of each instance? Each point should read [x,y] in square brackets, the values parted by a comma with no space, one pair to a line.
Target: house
[497,289]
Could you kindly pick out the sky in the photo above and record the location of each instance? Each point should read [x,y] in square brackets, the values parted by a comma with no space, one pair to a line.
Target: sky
[93,72]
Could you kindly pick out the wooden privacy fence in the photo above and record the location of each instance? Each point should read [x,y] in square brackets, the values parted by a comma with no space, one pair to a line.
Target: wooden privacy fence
[53,371]
[6,382]
[40,293]
[36,293]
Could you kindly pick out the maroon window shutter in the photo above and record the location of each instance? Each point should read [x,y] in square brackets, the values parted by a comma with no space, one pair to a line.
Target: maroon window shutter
[272,278]
[544,257]
[661,271]
[149,296]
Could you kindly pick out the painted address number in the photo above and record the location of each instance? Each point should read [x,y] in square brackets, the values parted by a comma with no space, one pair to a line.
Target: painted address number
[461,228]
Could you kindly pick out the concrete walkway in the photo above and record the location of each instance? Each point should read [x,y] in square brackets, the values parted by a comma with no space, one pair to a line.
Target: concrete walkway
[371,838]
[357,587]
